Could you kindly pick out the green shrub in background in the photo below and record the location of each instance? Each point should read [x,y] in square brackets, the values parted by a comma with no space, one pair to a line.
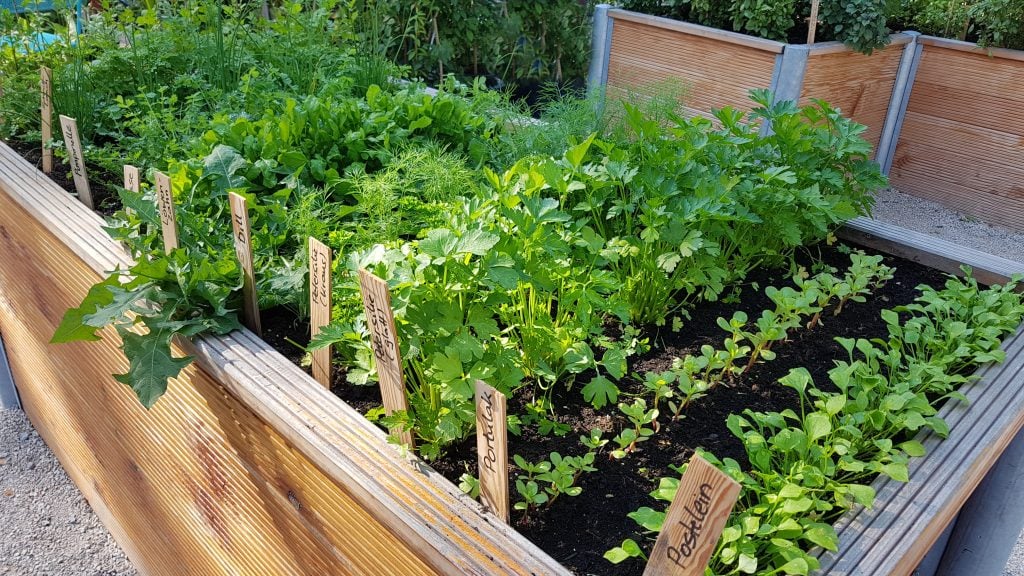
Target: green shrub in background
[864,25]
[546,40]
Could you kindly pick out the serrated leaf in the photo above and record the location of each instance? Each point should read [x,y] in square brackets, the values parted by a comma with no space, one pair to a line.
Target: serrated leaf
[72,327]
[476,242]
[600,392]
[150,364]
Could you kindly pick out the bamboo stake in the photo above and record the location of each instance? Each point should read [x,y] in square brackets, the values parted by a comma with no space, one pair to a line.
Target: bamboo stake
[812,22]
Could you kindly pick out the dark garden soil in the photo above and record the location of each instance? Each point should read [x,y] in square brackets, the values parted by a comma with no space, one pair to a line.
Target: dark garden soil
[577,531]
[102,183]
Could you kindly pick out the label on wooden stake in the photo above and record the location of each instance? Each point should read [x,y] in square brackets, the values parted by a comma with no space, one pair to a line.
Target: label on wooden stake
[812,22]
[694,521]
[320,306]
[46,114]
[69,126]
[131,182]
[384,338]
[168,219]
[492,449]
[243,249]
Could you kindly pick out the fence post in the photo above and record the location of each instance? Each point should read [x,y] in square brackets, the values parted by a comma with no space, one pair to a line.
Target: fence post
[8,393]
[898,103]
[788,76]
[600,49]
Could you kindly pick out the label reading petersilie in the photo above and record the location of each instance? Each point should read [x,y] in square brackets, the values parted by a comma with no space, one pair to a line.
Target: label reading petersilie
[69,127]
[320,306]
[694,521]
[384,340]
[46,115]
[492,449]
[243,250]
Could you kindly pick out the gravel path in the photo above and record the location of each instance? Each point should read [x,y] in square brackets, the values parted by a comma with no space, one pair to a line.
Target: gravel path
[48,527]
[931,218]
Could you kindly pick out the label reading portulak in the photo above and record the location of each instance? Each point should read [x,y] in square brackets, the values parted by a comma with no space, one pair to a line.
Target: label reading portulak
[320,306]
[694,521]
[165,205]
[384,339]
[492,449]
[46,115]
[243,250]
[69,127]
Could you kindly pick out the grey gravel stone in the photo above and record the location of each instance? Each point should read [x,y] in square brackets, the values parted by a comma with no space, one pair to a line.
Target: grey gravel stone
[35,495]
[930,218]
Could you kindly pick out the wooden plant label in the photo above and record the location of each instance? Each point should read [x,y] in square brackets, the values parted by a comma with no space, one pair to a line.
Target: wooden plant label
[165,204]
[812,21]
[69,126]
[243,249]
[131,181]
[384,338]
[492,449]
[320,306]
[694,522]
[46,114]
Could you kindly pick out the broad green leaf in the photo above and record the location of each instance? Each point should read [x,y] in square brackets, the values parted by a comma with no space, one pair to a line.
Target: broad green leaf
[476,242]
[818,425]
[648,518]
[614,361]
[747,564]
[223,164]
[823,535]
[629,549]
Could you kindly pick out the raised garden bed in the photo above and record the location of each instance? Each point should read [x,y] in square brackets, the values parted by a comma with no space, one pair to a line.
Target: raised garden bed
[938,111]
[249,466]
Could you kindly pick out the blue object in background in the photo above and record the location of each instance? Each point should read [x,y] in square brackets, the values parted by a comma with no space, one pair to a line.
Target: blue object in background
[39,40]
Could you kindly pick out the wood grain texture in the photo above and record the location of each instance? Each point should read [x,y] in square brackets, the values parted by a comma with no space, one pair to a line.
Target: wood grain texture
[73,145]
[168,214]
[713,73]
[247,466]
[962,142]
[380,319]
[859,85]
[691,29]
[492,449]
[320,306]
[694,521]
[243,250]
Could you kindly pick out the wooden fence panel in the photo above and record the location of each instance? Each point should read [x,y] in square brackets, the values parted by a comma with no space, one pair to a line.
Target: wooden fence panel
[962,141]
[859,85]
[711,67]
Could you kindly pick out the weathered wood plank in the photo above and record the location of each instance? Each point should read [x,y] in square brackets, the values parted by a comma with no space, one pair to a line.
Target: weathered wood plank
[687,28]
[929,250]
[711,72]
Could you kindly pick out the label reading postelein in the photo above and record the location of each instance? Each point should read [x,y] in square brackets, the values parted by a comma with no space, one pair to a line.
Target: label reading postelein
[492,449]
[320,306]
[243,249]
[694,521]
[69,127]
[384,339]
